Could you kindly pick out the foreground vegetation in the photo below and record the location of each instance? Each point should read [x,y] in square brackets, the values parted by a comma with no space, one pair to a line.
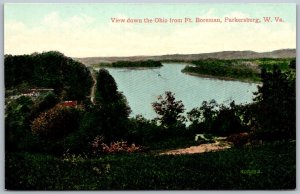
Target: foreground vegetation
[266,167]
[130,64]
[51,144]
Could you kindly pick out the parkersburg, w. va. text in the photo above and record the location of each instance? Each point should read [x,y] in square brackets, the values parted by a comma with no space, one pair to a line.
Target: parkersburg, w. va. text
[162,20]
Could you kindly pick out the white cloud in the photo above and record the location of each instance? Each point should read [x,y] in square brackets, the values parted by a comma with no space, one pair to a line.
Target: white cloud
[74,37]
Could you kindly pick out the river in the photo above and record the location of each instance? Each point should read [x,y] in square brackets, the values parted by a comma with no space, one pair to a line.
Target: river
[142,87]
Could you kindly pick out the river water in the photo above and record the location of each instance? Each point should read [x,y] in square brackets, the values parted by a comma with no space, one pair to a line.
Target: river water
[142,87]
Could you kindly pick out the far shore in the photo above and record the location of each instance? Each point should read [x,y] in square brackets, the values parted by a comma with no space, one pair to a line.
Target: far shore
[221,77]
[129,68]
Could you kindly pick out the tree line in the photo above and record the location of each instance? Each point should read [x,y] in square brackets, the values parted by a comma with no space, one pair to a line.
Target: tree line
[240,69]
[120,64]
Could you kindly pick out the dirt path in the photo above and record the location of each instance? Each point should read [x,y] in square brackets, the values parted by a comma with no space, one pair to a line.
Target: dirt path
[92,94]
[209,147]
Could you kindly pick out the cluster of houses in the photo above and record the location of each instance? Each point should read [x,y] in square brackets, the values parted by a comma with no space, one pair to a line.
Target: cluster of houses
[34,93]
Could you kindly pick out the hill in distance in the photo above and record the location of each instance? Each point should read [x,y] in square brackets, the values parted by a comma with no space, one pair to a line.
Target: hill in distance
[282,53]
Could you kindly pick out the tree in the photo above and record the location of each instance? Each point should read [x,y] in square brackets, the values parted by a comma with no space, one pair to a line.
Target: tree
[227,121]
[216,119]
[169,110]
[143,131]
[113,107]
[292,64]
[276,105]
[203,117]
[106,88]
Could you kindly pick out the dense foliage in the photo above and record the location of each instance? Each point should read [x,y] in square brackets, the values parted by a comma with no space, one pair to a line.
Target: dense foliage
[275,110]
[56,123]
[17,120]
[143,131]
[170,111]
[216,119]
[107,116]
[229,69]
[268,64]
[19,114]
[71,80]
[238,69]
[113,107]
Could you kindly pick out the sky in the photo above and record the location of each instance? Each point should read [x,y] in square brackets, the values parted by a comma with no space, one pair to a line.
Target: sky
[86,30]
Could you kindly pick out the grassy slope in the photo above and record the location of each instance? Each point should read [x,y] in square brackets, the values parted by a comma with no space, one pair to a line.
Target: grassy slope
[217,170]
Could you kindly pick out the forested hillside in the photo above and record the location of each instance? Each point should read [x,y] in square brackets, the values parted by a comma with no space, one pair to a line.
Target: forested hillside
[70,79]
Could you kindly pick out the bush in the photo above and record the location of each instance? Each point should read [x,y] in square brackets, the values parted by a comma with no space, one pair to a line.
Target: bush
[17,125]
[98,146]
[217,119]
[43,103]
[142,131]
[239,139]
[227,121]
[203,117]
[56,123]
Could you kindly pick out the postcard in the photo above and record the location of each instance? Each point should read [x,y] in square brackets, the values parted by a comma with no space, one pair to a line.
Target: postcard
[115,96]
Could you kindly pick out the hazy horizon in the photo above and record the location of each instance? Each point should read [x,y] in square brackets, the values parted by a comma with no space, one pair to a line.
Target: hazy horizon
[156,55]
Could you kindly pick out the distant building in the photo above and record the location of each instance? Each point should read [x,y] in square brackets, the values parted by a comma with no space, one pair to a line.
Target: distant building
[69,103]
[33,93]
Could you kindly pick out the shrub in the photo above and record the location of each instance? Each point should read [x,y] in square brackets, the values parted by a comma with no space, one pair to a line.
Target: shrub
[203,117]
[98,146]
[227,121]
[239,139]
[17,125]
[217,119]
[143,131]
[56,123]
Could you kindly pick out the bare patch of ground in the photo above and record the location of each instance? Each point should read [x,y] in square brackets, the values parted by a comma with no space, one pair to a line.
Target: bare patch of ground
[208,147]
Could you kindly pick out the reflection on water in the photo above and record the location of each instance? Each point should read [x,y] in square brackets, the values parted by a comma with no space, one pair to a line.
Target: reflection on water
[142,87]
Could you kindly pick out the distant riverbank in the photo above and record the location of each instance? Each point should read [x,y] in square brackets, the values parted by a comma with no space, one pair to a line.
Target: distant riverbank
[130,64]
[245,70]
[220,77]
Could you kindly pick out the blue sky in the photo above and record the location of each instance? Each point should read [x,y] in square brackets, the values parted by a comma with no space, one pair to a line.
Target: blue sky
[83,30]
